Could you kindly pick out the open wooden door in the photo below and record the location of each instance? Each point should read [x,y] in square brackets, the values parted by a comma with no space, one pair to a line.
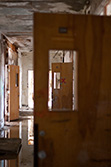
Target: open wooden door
[62,79]
[79,137]
[13,107]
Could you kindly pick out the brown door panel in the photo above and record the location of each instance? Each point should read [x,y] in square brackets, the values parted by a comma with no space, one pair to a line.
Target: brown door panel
[79,138]
[13,92]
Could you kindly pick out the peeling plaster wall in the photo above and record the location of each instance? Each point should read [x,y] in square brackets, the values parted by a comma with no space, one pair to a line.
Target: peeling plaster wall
[18,17]
[20,77]
[27,64]
[1,89]
[13,57]
[97,6]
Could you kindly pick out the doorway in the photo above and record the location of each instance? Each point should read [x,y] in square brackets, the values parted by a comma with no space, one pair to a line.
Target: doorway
[62,80]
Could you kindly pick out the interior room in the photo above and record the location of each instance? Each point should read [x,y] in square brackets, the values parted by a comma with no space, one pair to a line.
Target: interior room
[40,97]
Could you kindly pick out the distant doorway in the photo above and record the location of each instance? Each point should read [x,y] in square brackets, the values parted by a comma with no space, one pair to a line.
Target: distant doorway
[30,89]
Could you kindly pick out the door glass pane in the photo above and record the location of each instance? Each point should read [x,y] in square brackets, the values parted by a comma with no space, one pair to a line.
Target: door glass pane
[56,80]
[16,80]
[62,94]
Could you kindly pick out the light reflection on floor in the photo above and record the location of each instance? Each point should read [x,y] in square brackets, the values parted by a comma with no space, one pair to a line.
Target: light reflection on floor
[24,130]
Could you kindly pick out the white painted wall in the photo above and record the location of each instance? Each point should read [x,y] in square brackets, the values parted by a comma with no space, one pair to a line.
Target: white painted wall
[20,77]
[97,6]
[25,63]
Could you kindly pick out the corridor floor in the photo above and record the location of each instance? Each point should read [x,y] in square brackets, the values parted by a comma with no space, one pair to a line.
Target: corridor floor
[22,128]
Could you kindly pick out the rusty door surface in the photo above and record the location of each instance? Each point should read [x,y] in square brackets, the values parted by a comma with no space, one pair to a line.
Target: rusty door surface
[62,79]
[79,138]
[13,92]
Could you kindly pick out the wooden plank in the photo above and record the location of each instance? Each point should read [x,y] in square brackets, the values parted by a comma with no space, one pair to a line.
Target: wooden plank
[75,138]
[10,146]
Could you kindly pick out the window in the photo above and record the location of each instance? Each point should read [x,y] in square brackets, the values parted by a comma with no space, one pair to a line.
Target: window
[56,80]
[17,80]
[63,69]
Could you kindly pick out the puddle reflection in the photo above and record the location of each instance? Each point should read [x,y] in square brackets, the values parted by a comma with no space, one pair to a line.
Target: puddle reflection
[30,132]
[23,130]
[9,163]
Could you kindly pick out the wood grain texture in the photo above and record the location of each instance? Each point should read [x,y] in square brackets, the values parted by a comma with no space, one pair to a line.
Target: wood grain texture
[62,98]
[80,138]
[14,93]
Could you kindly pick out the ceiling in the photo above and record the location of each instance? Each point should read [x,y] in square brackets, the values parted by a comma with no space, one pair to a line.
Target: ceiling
[16,18]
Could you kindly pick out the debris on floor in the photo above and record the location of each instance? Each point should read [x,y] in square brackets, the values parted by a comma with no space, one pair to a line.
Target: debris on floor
[9,147]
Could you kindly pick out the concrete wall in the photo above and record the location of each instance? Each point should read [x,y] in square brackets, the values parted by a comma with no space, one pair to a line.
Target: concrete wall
[25,63]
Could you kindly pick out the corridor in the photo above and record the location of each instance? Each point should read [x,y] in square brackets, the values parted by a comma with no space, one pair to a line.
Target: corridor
[23,129]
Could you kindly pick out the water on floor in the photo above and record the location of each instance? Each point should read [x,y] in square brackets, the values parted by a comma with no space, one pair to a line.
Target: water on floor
[20,129]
